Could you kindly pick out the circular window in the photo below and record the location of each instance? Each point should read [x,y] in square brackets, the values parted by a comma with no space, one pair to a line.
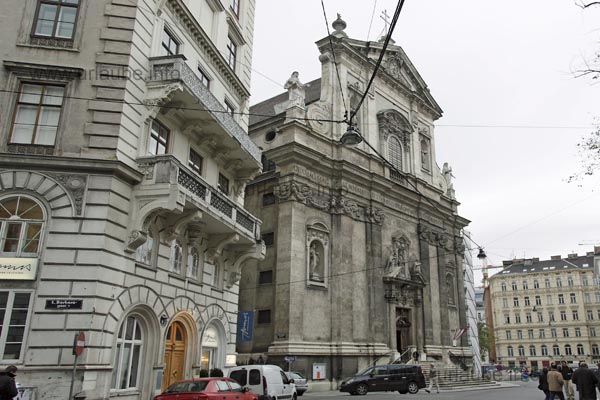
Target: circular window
[270,135]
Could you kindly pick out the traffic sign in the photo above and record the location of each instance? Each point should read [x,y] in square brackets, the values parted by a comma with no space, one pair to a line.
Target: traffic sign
[290,358]
[79,344]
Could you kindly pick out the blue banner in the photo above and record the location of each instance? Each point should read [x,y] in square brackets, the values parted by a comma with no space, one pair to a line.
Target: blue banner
[245,326]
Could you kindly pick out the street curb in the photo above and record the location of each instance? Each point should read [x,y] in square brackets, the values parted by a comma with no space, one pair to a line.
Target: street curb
[501,385]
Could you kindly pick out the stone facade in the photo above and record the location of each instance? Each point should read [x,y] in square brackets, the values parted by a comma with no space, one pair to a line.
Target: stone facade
[363,262]
[546,310]
[124,157]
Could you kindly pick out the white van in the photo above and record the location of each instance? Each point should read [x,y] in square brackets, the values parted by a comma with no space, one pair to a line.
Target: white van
[269,382]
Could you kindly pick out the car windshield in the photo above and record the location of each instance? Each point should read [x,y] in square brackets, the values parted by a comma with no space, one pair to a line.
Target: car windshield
[180,387]
[366,371]
[296,375]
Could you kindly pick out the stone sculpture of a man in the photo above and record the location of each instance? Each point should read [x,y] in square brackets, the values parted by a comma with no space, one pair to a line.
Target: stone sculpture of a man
[296,90]
[314,262]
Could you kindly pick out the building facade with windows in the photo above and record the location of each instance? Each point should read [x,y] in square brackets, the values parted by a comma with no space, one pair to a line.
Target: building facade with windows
[546,310]
[364,262]
[124,157]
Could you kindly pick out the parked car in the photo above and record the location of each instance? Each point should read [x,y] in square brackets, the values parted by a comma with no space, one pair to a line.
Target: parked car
[207,389]
[386,378]
[299,381]
[268,381]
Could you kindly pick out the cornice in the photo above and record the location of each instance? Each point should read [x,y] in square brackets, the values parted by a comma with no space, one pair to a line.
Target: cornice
[203,40]
[71,165]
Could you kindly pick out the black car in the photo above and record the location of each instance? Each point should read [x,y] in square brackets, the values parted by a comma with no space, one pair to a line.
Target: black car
[386,378]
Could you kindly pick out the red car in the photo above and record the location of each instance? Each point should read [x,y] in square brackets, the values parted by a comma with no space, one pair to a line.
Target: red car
[206,389]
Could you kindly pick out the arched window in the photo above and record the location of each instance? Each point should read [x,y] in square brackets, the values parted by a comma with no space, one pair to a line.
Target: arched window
[568,351]
[580,350]
[521,351]
[193,263]
[511,352]
[128,359]
[532,351]
[395,152]
[544,350]
[595,350]
[555,350]
[176,258]
[22,222]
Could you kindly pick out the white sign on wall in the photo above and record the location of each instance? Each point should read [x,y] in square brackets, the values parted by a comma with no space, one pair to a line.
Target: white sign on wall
[319,371]
[18,268]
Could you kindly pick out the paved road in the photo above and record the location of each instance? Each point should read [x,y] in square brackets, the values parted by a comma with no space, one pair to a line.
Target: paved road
[520,391]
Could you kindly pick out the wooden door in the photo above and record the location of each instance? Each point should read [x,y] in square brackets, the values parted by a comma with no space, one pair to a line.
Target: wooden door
[174,355]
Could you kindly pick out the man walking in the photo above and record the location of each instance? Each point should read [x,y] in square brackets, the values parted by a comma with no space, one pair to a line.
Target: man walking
[433,377]
[567,372]
[555,383]
[8,386]
[586,382]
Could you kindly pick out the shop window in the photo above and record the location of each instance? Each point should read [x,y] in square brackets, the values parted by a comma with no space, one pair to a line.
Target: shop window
[128,359]
[22,223]
[15,307]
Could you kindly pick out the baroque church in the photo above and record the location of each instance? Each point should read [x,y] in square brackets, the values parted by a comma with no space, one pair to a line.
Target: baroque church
[363,261]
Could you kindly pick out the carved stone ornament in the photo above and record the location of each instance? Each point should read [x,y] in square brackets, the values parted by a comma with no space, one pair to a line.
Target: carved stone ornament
[136,239]
[334,204]
[459,246]
[391,122]
[162,96]
[76,186]
[318,115]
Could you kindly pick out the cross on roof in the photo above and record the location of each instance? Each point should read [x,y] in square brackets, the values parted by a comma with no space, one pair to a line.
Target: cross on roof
[386,19]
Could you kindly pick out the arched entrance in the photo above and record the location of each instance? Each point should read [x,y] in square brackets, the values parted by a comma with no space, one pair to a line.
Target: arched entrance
[175,346]
[402,330]
[211,348]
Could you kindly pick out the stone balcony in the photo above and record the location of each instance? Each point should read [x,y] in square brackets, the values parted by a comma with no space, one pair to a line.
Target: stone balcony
[175,87]
[173,187]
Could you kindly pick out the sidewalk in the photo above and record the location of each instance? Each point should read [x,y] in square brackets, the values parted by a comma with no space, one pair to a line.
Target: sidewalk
[501,385]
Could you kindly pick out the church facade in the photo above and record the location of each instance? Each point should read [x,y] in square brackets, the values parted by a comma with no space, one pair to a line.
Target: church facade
[364,261]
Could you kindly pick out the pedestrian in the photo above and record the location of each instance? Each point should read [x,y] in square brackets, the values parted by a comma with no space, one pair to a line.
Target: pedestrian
[433,377]
[555,383]
[597,374]
[567,372]
[543,385]
[8,386]
[586,382]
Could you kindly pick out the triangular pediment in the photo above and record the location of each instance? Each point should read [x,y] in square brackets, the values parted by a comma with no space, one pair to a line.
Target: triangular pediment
[397,68]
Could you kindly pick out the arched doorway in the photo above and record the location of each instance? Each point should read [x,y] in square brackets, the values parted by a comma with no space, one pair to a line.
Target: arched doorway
[402,330]
[175,346]
[211,348]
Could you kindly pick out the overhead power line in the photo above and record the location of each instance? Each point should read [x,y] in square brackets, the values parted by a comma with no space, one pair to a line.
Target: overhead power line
[337,71]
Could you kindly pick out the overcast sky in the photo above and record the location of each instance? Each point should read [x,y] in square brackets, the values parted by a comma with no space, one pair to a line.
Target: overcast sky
[493,67]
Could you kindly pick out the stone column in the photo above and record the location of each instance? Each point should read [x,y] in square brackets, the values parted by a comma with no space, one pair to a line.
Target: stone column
[376,303]
[443,309]
[426,266]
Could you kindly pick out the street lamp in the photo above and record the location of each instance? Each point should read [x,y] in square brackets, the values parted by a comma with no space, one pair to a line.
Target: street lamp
[351,137]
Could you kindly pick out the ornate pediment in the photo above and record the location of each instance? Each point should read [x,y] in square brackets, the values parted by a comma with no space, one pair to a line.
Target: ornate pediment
[391,122]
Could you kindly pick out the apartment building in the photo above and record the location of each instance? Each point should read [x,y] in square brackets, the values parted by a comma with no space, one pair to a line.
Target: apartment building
[124,157]
[546,310]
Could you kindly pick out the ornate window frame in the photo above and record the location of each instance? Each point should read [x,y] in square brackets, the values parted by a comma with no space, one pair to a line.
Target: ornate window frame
[317,254]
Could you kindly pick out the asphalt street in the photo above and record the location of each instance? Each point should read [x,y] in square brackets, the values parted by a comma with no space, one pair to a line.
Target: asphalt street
[516,391]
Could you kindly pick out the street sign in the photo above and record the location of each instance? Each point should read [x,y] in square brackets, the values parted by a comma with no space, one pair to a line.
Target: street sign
[79,344]
[290,358]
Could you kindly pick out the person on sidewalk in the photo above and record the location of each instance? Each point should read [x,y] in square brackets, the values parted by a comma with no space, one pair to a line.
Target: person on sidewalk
[433,377]
[8,387]
[597,374]
[586,382]
[567,372]
[543,386]
[555,383]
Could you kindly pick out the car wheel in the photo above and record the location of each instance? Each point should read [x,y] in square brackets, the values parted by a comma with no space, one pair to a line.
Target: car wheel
[362,389]
[413,388]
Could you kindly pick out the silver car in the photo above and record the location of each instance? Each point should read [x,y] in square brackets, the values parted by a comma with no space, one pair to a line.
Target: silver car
[300,382]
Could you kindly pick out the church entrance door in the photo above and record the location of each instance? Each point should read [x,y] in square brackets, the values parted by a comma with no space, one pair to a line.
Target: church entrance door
[402,330]
[174,355]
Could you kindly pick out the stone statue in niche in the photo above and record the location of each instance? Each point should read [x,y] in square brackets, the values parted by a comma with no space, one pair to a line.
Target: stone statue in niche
[315,263]
[296,90]
[397,263]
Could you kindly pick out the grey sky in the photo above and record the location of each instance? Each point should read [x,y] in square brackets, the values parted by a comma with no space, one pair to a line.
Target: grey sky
[487,63]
